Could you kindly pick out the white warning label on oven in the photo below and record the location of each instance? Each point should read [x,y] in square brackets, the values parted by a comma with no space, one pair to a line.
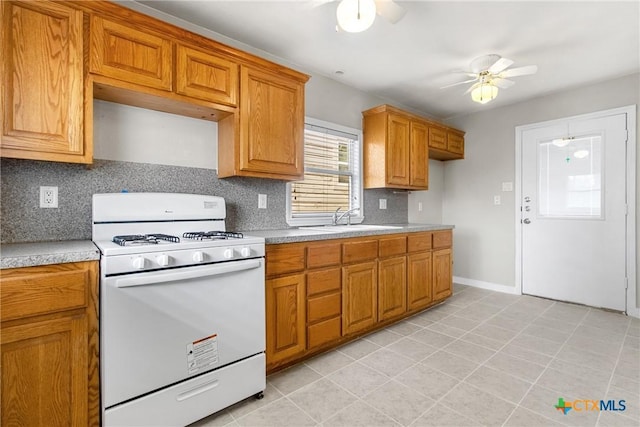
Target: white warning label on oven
[202,354]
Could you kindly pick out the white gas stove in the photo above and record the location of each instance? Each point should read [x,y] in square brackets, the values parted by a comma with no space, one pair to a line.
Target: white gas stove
[182,330]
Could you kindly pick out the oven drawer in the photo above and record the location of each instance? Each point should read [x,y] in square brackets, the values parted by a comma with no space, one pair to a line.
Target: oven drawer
[191,400]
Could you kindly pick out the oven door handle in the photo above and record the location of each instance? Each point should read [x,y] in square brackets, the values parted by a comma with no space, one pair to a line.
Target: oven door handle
[188,273]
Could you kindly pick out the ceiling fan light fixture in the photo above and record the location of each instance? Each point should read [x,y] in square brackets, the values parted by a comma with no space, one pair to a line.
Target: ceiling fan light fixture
[355,16]
[484,92]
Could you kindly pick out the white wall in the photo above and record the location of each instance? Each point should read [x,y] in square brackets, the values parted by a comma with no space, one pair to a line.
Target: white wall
[485,234]
[431,199]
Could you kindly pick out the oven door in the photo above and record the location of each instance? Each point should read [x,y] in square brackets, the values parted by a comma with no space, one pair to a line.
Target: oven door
[159,328]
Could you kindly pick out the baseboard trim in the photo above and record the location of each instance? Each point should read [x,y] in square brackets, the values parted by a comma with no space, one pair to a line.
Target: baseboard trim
[486,285]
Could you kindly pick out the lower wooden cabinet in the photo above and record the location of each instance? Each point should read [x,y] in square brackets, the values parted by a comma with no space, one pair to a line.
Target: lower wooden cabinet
[359,297]
[442,274]
[392,287]
[322,294]
[419,281]
[285,311]
[49,346]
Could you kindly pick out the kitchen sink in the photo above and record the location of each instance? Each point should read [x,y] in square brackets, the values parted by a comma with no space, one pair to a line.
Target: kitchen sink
[347,228]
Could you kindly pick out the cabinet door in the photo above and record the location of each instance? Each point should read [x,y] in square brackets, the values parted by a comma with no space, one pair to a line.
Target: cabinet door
[42,86]
[419,293]
[455,143]
[45,373]
[419,156]
[286,324]
[392,287]
[271,124]
[359,297]
[442,274]
[205,76]
[127,54]
[437,138]
[398,150]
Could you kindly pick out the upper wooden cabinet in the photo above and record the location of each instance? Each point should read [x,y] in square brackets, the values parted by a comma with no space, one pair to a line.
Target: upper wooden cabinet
[42,88]
[445,143]
[270,143]
[124,53]
[205,76]
[395,150]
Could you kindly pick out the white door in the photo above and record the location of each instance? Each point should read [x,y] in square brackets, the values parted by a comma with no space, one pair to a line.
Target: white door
[574,211]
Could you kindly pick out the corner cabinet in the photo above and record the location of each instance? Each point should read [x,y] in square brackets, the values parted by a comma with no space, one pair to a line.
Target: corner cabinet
[270,139]
[49,345]
[43,87]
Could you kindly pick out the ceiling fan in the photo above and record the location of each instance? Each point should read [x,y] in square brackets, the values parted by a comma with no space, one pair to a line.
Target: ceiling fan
[490,72]
[354,16]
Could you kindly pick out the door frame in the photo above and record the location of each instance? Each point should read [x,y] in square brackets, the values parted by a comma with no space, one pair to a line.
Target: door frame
[630,222]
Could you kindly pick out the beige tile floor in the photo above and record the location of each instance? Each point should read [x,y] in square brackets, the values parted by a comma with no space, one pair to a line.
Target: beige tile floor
[481,358]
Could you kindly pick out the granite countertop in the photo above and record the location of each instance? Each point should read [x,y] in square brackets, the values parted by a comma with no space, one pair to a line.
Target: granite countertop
[15,255]
[292,235]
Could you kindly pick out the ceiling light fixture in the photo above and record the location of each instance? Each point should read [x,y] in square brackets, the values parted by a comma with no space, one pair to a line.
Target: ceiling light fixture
[581,154]
[355,16]
[484,91]
[562,142]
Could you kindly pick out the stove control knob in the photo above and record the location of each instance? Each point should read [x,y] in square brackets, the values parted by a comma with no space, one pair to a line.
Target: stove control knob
[198,256]
[228,253]
[138,262]
[163,260]
[245,252]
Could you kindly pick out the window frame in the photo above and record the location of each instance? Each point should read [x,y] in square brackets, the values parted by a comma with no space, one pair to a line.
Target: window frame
[356,182]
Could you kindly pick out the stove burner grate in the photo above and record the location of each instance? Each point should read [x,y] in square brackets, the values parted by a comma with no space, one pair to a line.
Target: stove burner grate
[212,235]
[144,239]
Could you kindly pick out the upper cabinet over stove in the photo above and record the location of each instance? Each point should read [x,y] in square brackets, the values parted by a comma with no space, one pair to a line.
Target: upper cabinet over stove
[78,51]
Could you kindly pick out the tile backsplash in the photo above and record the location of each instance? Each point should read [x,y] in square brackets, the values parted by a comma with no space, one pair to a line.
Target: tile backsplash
[24,221]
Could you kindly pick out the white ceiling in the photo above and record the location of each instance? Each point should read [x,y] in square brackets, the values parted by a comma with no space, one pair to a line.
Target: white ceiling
[572,43]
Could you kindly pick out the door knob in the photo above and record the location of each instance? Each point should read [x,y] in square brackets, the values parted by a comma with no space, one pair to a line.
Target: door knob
[526,221]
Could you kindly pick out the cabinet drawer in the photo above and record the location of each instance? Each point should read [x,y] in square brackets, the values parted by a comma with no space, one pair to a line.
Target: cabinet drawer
[40,290]
[205,76]
[418,242]
[392,246]
[324,255]
[442,239]
[455,143]
[282,259]
[324,332]
[319,282]
[359,251]
[127,54]
[437,138]
[323,307]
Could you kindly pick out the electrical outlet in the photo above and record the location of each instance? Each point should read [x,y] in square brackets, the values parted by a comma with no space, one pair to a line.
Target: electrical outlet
[383,203]
[419,206]
[496,200]
[48,197]
[262,201]
[507,186]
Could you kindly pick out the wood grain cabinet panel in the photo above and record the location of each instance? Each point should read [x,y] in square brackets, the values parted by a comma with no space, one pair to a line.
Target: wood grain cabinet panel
[397,157]
[359,250]
[283,259]
[418,242]
[437,138]
[392,287]
[206,76]
[442,239]
[359,297]
[131,55]
[455,143]
[286,324]
[390,246]
[419,155]
[42,90]
[323,255]
[442,274]
[49,359]
[271,126]
[323,281]
[324,332]
[419,276]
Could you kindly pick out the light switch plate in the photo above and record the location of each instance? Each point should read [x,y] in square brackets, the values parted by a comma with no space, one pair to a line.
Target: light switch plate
[262,201]
[382,203]
[496,200]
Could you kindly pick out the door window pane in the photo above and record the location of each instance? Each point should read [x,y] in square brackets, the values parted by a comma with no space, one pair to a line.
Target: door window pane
[570,177]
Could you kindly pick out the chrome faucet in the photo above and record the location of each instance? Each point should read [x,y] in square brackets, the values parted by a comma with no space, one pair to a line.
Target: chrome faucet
[337,218]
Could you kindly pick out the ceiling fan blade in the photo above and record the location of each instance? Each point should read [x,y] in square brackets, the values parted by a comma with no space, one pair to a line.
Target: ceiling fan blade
[520,71]
[459,83]
[312,4]
[502,83]
[499,65]
[390,10]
